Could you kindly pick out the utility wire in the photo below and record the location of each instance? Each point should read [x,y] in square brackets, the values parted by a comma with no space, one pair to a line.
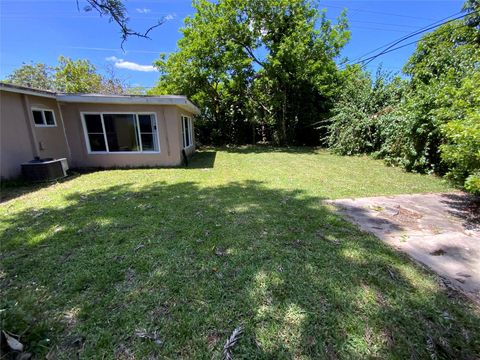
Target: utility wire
[407,44]
[367,61]
[376,12]
[410,34]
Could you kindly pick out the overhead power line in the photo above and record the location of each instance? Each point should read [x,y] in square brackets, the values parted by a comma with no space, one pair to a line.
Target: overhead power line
[407,44]
[378,12]
[393,43]
[413,34]
[381,23]
[390,46]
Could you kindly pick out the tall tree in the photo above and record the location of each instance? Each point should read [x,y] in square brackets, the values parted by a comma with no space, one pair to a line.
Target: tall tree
[69,76]
[249,62]
[77,76]
[441,60]
[38,76]
[459,113]
[472,8]
[435,125]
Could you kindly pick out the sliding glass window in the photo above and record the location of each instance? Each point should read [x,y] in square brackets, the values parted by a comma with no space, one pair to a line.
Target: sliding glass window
[121,132]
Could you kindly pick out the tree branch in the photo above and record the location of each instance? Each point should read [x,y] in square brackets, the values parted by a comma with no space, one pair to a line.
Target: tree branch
[250,52]
[118,14]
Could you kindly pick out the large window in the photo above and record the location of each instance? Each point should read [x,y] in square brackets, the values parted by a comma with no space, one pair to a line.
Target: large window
[43,117]
[121,132]
[187,131]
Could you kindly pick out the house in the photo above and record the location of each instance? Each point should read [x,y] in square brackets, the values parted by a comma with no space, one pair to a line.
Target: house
[93,130]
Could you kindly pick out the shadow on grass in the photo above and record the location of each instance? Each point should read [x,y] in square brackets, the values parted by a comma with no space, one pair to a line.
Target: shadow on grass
[204,159]
[11,189]
[258,149]
[189,264]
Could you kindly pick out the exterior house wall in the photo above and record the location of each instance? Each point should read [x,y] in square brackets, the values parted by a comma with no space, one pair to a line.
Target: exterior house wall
[50,141]
[21,139]
[16,143]
[167,127]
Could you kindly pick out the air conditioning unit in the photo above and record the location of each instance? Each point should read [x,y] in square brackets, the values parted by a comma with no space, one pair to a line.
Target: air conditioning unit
[45,169]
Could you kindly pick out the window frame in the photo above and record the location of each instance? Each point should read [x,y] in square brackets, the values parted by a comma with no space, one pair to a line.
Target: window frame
[42,110]
[137,131]
[190,131]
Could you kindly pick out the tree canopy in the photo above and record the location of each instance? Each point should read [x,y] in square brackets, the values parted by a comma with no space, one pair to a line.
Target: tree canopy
[76,76]
[261,70]
[434,123]
[38,76]
[70,76]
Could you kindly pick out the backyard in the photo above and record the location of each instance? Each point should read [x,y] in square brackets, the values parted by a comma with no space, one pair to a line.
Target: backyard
[166,263]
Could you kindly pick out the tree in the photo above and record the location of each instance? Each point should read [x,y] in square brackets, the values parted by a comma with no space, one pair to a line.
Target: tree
[73,76]
[77,76]
[112,84]
[472,8]
[442,59]
[459,112]
[252,63]
[38,76]
[435,125]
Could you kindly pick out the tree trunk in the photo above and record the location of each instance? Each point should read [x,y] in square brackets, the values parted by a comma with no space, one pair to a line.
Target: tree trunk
[283,125]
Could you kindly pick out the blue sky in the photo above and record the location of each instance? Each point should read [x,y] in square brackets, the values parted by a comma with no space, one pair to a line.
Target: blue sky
[42,30]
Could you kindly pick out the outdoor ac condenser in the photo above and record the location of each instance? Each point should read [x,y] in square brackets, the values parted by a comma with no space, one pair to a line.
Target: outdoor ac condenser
[45,169]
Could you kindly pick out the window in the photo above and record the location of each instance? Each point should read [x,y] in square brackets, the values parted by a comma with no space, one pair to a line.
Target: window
[187,127]
[43,117]
[121,132]
[147,132]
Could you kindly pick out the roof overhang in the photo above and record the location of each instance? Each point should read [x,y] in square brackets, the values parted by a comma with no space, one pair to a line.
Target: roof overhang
[28,91]
[174,100]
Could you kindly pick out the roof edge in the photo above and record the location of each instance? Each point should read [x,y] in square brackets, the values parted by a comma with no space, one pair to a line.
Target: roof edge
[26,90]
[175,100]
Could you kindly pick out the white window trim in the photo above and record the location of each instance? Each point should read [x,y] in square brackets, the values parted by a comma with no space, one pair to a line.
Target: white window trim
[42,110]
[190,132]
[87,141]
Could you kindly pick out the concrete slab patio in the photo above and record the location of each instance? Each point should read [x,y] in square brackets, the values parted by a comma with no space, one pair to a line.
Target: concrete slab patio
[441,231]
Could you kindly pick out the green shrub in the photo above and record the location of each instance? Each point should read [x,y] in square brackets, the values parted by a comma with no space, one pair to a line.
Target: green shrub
[472,183]
[430,123]
[361,113]
[461,150]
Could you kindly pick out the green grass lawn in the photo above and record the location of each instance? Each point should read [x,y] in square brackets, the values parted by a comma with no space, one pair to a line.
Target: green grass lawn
[166,263]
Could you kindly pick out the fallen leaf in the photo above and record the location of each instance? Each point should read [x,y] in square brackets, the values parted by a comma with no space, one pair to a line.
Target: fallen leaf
[13,343]
[149,336]
[231,341]
[138,247]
